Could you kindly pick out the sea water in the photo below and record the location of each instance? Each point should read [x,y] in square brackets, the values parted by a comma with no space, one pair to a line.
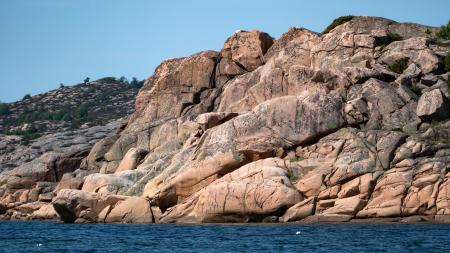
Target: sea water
[41,236]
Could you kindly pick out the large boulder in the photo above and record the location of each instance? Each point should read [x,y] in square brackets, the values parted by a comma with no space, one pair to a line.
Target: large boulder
[80,206]
[111,183]
[388,194]
[286,121]
[300,210]
[45,212]
[423,193]
[130,210]
[415,49]
[389,106]
[131,159]
[194,177]
[251,192]
[433,105]
[346,206]
[49,167]
[246,49]
[443,198]
[69,181]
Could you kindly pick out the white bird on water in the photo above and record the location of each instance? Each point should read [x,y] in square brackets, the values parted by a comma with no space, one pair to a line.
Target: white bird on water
[298,232]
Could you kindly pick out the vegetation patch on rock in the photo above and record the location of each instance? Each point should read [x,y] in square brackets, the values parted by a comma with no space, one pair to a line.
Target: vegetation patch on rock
[394,37]
[337,22]
[444,32]
[399,65]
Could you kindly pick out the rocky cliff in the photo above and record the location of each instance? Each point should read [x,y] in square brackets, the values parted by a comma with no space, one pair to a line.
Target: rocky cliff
[349,124]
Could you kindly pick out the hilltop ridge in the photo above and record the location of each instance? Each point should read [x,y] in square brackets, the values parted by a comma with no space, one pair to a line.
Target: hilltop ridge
[69,107]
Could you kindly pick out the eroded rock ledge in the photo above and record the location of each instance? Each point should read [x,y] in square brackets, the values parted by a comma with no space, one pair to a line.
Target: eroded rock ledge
[310,127]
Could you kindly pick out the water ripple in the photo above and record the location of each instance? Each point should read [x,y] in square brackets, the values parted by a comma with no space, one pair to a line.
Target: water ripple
[54,237]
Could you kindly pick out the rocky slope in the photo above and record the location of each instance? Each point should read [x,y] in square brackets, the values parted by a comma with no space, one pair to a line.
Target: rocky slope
[69,107]
[61,118]
[38,149]
[347,125]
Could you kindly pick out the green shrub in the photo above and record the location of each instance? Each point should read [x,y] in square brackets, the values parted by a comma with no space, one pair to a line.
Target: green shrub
[447,62]
[27,135]
[337,22]
[435,123]
[123,80]
[4,109]
[448,84]
[41,114]
[428,31]
[27,96]
[295,159]
[62,115]
[414,88]
[108,79]
[399,66]
[135,83]
[444,33]
[237,157]
[394,37]
[82,111]
[293,178]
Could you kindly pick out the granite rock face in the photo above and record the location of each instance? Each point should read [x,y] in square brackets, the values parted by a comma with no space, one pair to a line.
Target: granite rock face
[314,127]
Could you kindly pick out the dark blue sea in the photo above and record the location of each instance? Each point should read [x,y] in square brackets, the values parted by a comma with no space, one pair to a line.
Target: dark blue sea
[54,237]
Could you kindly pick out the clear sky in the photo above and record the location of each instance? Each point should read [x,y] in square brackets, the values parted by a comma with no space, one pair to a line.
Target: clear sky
[47,42]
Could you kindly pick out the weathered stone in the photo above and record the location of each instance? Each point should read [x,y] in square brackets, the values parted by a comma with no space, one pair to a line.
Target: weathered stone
[443,198]
[247,49]
[433,105]
[329,193]
[359,186]
[442,218]
[212,119]
[388,194]
[327,218]
[311,186]
[69,181]
[346,206]
[45,212]
[300,210]
[72,205]
[29,208]
[108,183]
[131,159]
[415,49]
[130,210]
[250,192]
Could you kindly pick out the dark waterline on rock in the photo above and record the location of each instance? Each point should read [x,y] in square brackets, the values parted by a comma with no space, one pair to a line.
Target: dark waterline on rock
[53,237]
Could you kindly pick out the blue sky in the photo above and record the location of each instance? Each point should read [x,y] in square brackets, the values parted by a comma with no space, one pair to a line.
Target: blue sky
[47,42]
